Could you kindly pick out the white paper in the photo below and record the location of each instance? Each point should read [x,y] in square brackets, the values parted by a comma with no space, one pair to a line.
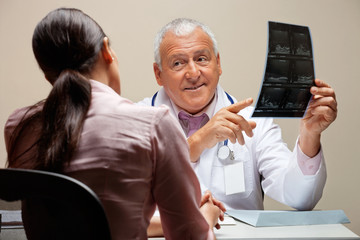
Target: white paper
[227,221]
[11,218]
[234,178]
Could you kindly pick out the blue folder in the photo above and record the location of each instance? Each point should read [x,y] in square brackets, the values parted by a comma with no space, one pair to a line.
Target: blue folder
[260,218]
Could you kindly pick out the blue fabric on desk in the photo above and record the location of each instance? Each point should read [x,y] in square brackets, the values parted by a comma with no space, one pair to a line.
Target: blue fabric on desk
[259,218]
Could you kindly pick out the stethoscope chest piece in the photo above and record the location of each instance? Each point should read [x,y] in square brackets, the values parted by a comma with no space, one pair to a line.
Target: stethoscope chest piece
[224,152]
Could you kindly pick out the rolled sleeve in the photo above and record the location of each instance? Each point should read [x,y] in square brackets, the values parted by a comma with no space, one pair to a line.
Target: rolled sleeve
[308,165]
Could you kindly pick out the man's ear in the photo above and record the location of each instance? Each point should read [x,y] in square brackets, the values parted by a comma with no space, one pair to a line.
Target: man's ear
[157,73]
[106,51]
[218,63]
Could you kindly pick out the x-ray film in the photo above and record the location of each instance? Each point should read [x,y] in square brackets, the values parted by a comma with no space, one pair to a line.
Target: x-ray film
[289,72]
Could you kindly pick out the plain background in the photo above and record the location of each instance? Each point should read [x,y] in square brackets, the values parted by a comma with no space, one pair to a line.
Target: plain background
[240,27]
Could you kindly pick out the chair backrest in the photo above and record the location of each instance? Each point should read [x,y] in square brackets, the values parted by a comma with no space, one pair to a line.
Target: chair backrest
[54,206]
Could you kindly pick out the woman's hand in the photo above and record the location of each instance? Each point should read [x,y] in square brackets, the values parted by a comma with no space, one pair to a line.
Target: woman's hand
[215,207]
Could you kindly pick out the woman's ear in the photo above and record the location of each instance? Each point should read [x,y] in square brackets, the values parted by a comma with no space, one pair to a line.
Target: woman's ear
[106,51]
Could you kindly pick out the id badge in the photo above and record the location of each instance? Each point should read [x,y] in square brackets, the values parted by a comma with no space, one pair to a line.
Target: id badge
[234,178]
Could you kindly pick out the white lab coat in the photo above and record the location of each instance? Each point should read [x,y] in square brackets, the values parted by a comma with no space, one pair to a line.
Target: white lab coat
[269,166]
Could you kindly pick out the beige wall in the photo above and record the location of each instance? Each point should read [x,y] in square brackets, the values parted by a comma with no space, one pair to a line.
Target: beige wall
[240,27]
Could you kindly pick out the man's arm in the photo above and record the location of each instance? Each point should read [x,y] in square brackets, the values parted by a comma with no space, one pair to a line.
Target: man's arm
[321,113]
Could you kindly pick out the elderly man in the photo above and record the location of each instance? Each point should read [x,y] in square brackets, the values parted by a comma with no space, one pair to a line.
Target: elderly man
[187,66]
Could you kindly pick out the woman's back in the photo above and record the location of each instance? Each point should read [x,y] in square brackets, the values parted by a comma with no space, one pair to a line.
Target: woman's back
[126,154]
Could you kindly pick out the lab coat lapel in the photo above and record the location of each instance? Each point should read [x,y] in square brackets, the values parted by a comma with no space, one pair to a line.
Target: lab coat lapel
[209,156]
[162,98]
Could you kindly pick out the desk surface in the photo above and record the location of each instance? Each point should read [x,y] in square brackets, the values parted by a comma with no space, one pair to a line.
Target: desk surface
[245,231]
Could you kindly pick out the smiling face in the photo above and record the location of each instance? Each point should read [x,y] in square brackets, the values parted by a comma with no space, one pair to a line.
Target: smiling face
[190,70]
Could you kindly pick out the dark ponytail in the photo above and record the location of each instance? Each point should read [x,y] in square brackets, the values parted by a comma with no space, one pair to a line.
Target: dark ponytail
[63,115]
[66,45]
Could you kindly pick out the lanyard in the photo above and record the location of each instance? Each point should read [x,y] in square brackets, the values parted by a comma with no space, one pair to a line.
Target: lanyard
[153,99]
[224,151]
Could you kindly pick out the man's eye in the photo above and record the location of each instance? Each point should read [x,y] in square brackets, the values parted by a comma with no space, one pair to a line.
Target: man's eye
[177,64]
[202,59]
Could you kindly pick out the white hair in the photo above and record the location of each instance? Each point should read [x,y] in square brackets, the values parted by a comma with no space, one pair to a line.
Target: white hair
[180,27]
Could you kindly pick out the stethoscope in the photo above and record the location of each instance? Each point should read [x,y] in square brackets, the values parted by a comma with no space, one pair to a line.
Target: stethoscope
[224,152]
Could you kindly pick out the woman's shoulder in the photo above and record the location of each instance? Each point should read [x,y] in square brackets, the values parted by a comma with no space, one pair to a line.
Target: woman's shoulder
[122,114]
[16,119]
[21,113]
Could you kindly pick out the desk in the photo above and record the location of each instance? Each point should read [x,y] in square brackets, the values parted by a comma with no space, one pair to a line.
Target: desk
[245,231]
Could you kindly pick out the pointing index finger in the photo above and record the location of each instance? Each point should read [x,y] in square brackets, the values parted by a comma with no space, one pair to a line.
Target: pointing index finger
[236,107]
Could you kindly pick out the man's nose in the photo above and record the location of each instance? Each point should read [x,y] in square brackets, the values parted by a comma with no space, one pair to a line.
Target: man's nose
[192,71]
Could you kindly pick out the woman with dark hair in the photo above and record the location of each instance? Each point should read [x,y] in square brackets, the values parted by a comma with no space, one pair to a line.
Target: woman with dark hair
[133,157]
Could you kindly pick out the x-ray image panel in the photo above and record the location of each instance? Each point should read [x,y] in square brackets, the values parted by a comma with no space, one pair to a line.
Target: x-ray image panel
[271,98]
[277,71]
[289,72]
[303,72]
[297,99]
[302,44]
[280,42]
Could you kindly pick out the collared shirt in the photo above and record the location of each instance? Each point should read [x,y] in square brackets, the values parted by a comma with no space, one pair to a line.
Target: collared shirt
[209,110]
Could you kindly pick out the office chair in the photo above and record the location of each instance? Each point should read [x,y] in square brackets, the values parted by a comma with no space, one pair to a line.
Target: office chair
[54,206]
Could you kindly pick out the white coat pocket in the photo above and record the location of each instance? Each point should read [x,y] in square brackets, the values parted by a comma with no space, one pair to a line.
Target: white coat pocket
[233,179]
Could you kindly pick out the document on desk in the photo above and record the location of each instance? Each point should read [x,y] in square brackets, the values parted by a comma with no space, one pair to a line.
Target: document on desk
[261,218]
[289,72]
[11,219]
[227,221]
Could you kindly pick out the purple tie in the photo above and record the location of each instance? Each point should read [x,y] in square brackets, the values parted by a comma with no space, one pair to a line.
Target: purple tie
[191,124]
